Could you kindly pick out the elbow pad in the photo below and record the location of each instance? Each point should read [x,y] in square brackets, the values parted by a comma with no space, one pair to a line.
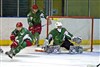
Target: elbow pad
[12,37]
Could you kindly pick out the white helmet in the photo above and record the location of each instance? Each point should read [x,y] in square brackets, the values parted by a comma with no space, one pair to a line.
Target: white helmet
[58,24]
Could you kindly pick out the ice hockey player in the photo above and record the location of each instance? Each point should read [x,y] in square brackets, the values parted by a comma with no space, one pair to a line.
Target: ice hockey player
[34,22]
[21,38]
[61,38]
[1,51]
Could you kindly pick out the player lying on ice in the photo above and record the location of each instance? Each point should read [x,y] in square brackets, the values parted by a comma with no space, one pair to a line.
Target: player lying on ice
[61,38]
[20,38]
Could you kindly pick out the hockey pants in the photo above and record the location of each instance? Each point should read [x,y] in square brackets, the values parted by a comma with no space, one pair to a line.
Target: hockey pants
[22,46]
[66,44]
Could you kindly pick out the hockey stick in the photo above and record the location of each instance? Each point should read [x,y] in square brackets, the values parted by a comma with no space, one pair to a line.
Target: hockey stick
[44,25]
[47,24]
[86,49]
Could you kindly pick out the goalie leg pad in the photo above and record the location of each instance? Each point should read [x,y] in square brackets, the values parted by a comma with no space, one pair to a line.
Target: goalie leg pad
[75,50]
[52,49]
[79,49]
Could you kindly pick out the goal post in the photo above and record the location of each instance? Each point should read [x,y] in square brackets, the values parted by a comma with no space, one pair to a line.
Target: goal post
[81,26]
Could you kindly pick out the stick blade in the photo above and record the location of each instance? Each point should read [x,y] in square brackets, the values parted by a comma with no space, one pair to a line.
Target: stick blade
[86,49]
[39,50]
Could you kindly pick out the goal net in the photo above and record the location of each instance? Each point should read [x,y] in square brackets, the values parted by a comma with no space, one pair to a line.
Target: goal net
[78,26]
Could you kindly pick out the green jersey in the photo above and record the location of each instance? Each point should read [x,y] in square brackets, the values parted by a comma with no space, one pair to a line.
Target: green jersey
[35,18]
[21,38]
[58,37]
[22,34]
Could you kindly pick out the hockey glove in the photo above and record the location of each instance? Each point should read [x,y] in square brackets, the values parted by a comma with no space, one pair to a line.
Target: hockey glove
[30,24]
[77,40]
[12,37]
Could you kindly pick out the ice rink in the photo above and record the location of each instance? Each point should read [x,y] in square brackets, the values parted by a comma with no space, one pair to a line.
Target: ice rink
[28,58]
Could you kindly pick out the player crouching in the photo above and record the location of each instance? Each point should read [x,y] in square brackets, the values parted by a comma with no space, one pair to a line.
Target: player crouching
[21,38]
[61,38]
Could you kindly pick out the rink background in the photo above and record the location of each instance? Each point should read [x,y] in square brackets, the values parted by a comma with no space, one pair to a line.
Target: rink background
[8,24]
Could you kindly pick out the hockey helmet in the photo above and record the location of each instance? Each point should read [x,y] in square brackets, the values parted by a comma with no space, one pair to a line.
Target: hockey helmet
[35,7]
[58,23]
[19,24]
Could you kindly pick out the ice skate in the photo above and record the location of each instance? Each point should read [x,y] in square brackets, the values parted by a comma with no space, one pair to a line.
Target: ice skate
[1,51]
[9,54]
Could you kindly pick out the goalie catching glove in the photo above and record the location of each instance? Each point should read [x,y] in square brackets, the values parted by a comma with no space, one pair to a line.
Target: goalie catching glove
[77,40]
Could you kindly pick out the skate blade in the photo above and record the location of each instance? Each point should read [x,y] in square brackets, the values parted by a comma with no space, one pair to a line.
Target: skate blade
[8,55]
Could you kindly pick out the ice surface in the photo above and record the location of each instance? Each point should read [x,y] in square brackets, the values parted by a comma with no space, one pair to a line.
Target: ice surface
[28,58]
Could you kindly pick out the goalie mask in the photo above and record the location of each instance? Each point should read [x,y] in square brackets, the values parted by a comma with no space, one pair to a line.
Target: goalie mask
[58,26]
